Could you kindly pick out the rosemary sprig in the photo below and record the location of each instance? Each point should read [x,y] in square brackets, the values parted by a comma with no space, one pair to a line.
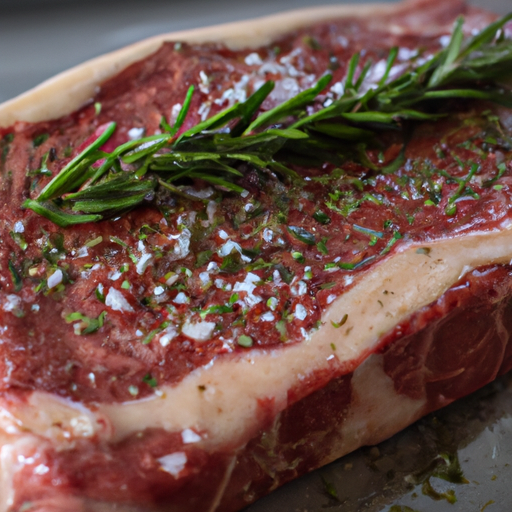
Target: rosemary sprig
[93,185]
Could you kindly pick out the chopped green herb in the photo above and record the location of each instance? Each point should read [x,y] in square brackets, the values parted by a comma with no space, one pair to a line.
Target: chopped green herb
[20,240]
[17,281]
[150,381]
[490,502]
[367,231]
[125,285]
[272,303]
[322,247]
[94,242]
[312,43]
[297,256]
[203,257]
[428,490]
[40,139]
[186,271]
[43,170]
[343,321]
[462,190]
[245,341]
[321,217]
[281,329]
[285,273]
[90,325]
[216,310]
[99,294]
[149,337]
[396,236]
[302,235]
[125,246]
[330,490]
[502,168]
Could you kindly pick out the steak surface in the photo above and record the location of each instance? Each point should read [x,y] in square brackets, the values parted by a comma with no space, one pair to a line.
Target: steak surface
[205,348]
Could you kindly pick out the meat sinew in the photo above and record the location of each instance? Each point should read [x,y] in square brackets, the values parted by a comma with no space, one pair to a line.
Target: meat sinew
[210,345]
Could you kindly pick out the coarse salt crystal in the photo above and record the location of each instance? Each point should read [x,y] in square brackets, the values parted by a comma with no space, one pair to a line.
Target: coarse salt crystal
[181,298]
[212,266]
[167,335]
[199,331]
[348,280]
[143,263]
[116,300]
[173,463]
[175,112]
[135,133]
[172,279]
[331,298]
[229,247]
[41,469]
[182,248]
[204,277]
[300,312]
[12,302]
[114,276]
[300,289]
[82,252]
[188,436]
[55,279]
[253,59]
[268,235]
[267,317]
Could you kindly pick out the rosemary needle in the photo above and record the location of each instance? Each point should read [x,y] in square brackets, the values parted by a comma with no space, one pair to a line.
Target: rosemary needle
[93,186]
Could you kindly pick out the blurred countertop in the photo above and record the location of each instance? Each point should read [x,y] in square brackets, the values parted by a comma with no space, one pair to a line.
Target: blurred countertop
[40,38]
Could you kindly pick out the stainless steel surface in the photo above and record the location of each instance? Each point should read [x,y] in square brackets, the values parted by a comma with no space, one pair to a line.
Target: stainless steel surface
[476,429]
[39,38]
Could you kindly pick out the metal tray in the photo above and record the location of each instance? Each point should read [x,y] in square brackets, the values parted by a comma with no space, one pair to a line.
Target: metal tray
[475,433]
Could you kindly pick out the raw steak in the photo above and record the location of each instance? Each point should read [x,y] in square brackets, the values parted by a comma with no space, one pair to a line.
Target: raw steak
[202,350]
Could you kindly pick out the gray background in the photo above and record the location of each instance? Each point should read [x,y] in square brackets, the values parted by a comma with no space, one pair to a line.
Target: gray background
[39,38]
